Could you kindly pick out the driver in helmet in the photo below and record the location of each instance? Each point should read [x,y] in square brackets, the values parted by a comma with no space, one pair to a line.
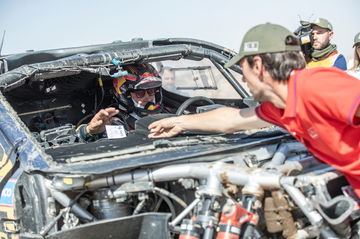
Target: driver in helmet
[137,94]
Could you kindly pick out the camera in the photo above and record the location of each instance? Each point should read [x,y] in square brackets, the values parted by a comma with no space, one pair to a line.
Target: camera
[303,32]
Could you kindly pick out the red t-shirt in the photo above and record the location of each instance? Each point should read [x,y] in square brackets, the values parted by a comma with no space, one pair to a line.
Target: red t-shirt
[320,112]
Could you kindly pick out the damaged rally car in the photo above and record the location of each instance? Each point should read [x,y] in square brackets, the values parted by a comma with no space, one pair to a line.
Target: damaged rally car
[258,183]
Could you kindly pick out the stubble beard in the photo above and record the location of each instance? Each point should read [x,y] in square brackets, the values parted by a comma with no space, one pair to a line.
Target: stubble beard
[321,45]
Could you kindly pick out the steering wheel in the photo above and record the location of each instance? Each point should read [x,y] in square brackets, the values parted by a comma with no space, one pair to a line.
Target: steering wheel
[190,101]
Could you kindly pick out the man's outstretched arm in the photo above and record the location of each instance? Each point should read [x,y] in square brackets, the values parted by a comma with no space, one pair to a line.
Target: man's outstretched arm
[221,120]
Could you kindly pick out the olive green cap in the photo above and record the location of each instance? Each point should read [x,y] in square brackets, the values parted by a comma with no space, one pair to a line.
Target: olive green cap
[323,23]
[356,39]
[266,38]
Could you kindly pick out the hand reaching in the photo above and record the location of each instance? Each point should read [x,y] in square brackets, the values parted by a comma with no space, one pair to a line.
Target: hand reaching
[102,118]
[165,128]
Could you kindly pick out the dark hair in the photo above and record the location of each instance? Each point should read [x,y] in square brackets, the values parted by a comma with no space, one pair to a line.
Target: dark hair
[281,64]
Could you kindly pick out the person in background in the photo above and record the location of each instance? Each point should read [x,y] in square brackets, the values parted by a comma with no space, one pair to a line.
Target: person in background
[137,94]
[355,69]
[324,53]
[168,78]
[320,107]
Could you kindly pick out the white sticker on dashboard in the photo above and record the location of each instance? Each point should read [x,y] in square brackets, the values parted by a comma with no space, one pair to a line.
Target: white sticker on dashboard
[115,131]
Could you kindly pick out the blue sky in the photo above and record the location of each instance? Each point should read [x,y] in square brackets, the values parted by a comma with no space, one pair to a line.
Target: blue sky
[48,24]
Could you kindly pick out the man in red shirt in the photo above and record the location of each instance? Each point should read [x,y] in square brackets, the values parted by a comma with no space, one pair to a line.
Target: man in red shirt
[320,107]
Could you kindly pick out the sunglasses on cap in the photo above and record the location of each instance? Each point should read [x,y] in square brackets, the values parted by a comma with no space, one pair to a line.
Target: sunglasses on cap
[141,93]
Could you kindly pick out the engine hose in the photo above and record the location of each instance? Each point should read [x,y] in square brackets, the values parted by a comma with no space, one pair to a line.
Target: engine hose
[65,201]
[184,213]
[171,195]
[170,205]
[52,223]
[139,207]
